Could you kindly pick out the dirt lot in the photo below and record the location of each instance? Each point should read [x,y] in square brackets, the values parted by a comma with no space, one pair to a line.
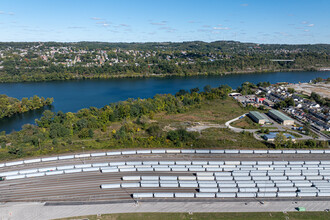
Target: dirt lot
[322,89]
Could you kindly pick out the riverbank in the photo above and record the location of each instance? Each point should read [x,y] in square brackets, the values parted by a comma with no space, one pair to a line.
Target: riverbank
[71,76]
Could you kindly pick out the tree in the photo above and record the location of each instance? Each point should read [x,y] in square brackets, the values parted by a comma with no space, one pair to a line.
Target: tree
[207,88]
[291,90]
[280,140]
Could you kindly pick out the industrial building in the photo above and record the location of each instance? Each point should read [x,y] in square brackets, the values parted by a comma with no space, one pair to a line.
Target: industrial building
[258,117]
[280,117]
[271,136]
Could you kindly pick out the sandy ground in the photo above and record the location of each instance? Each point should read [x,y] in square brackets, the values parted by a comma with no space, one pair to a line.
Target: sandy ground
[322,89]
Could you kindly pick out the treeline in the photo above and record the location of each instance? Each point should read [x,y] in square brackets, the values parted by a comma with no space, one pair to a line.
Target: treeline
[223,46]
[10,106]
[133,116]
[127,124]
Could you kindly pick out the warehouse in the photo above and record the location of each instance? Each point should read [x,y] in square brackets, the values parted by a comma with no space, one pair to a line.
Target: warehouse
[258,117]
[280,117]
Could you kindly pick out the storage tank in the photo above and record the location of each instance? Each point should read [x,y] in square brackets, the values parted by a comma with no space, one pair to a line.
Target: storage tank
[192,169]
[184,195]
[98,154]
[224,178]
[245,195]
[187,151]
[113,153]
[14,177]
[260,178]
[110,186]
[246,185]
[179,169]
[306,194]
[248,189]
[231,151]
[205,177]
[65,157]
[133,163]
[155,178]
[294,178]
[205,185]
[222,174]
[208,190]
[164,195]
[183,162]
[228,189]
[128,152]
[168,178]
[170,185]
[32,161]
[226,195]
[162,169]
[239,178]
[227,185]
[278,178]
[35,174]
[266,194]
[143,195]
[158,151]
[28,171]
[73,171]
[321,194]
[265,185]
[143,152]
[267,189]
[302,183]
[153,185]
[286,194]
[288,184]
[217,151]
[47,159]
[187,177]
[202,151]
[110,170]
[205,195]
[216,162]
[188,185]
[55,172]
[127,170]
[135,178]
[130,185]
[287,189]
[91,169]
[46,169]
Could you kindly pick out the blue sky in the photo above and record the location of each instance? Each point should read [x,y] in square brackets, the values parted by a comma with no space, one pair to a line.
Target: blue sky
[259,21]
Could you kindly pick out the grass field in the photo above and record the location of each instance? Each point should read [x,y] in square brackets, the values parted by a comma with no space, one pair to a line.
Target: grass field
[215,111]
[245,123]
[209,216]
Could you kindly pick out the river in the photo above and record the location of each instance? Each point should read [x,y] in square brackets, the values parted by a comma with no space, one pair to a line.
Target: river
[70,96]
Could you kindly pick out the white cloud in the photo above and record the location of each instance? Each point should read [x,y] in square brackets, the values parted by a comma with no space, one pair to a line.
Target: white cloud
[2,12]
[304,22]
[221,28]
[310,25]
[11,13]
[124,25]
[159,23]
[306,30]
[96,18]
[244,5]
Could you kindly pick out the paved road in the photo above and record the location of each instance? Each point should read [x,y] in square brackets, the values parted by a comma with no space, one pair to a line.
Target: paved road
[275,124]
[28,211]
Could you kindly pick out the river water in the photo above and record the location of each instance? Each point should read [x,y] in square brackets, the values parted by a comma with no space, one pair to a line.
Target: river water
[70,96]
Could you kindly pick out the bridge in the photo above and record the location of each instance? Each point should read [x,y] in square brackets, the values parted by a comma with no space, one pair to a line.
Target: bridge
[281,60]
